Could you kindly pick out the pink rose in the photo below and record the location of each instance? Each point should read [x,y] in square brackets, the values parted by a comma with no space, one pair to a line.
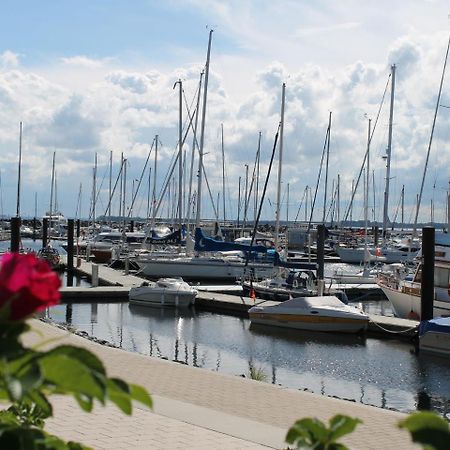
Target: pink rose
[27,284]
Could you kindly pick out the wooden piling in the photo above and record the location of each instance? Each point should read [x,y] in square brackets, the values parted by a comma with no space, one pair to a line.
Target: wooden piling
[427,281]
[15,234]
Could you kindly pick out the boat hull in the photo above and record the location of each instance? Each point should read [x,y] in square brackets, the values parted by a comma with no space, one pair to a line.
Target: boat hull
[406,303]
[435,342]
[161,297]
[203,269]
[310,323]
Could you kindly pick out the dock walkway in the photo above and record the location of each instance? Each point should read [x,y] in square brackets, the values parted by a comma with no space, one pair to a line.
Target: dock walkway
[199,409]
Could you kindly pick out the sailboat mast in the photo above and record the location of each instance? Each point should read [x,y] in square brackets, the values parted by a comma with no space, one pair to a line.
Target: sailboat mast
[110,186]
[366,191]
[419,199]
[51,190]
[223,177]
[280,162]
[155,168]
[19,171]
[257,175]
[180,156]
[194,145]
[388,156]
[326,170]
[202,136]
[94,193]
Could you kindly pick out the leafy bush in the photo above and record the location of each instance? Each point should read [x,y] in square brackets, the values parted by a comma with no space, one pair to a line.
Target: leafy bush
[28,377]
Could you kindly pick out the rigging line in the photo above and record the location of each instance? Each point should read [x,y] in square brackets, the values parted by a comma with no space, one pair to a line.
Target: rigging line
[263,195]
[430,142]
[365,154]
[300,207]
[115,185]
[130,209]
[318,179]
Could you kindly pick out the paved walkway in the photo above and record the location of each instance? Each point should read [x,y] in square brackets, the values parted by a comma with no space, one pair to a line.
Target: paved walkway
[195,408]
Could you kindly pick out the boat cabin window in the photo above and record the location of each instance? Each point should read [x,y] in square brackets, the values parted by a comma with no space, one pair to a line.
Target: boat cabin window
[441,277]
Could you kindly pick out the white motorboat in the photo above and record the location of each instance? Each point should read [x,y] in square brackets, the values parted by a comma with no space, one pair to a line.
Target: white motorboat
[326,313]
[164,292]
[357,255]
[404,292]
[434,336]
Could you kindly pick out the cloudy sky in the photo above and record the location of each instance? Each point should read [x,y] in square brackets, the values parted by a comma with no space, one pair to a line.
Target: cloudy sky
[95,76]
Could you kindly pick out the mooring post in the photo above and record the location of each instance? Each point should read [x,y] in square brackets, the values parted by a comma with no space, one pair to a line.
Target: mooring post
[34,228]
[78,243]
[44,232]
[127,265]
[131,226]
[320,257]
[15,234]
[70,230]
[427,282]
[94,278]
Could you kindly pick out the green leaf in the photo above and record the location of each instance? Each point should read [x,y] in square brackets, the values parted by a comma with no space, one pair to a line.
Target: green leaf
[341,425]
[31,377]
[307,431]
[428,429]
[84,356]
[141,395]
[40,400]
[86,403]
[118,393]
[68,375]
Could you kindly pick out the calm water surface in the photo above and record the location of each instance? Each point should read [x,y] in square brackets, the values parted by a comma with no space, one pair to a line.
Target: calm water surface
[384,373]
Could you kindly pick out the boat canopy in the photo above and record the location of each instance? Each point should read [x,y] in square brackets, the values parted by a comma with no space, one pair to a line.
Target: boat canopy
[440,325]
[207,244]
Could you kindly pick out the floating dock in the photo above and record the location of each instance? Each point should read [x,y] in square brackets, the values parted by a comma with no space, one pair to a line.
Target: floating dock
[115,285]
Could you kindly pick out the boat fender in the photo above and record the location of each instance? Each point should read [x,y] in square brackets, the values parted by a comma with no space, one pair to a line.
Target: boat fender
[412,315]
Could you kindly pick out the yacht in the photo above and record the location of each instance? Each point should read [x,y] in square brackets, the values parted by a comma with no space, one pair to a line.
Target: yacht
[404,291]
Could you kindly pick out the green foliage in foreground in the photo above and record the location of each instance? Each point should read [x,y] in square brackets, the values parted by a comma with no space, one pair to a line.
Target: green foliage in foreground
[28,377]
[427,429]
[311,433]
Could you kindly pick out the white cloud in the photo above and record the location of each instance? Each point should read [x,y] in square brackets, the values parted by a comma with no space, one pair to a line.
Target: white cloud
[9,59]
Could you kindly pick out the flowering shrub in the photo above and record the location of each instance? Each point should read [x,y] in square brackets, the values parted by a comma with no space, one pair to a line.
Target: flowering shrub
[28,377]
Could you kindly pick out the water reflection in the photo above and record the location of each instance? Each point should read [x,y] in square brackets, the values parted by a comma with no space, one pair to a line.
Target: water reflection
[375,372]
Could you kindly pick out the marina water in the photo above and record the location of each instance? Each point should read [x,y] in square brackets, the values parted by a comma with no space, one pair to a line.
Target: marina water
[380,372]
[383,373]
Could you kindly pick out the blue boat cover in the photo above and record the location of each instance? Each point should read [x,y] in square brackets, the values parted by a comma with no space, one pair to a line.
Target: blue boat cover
[207,244]
[440,324]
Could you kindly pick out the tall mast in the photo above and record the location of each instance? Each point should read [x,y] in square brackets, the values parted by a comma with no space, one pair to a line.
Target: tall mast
[202,136]
[194,145]
[287,206]
[19,171]
[110,186]
[180,155]
[280,162]
[94,193]
[403,205]
[51,189]
[258,153]
[155,168]
[124,196]
[223,177]
[388,157]
[366,191]
[326,170]
[419,199]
